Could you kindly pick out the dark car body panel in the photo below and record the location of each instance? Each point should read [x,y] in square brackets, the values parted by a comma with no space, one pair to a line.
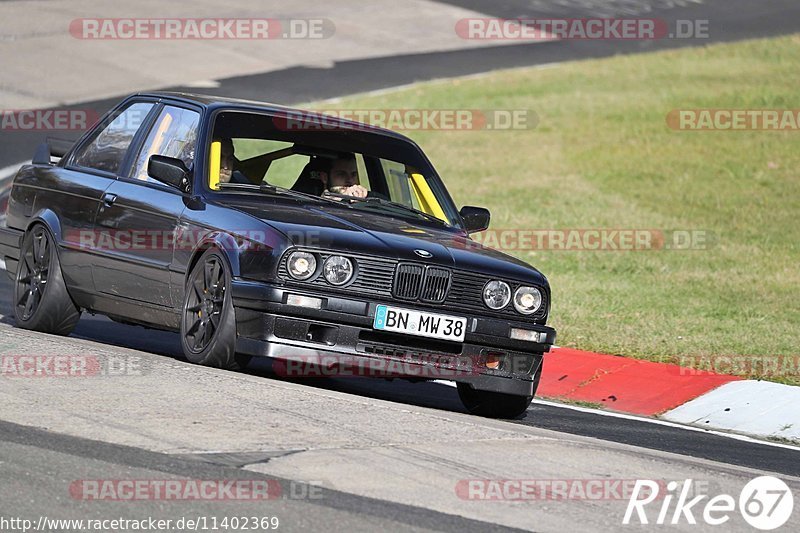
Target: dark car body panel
[254,232]
[333,227]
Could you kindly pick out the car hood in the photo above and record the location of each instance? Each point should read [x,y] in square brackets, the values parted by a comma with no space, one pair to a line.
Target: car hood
[358,231]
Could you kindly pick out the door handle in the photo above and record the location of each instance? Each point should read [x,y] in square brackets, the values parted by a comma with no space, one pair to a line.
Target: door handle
[109,199]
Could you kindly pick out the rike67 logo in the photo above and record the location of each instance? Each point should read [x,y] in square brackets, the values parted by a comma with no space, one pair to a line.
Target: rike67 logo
[765,503]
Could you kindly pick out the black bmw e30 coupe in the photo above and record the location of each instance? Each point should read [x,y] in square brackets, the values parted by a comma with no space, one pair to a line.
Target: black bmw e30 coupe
[256,230]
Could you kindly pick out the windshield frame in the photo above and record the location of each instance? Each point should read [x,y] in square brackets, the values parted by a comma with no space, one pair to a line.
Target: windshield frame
[365,136]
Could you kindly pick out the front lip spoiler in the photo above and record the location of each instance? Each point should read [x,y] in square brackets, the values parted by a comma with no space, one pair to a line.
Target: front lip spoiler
[295,357]
[489,332]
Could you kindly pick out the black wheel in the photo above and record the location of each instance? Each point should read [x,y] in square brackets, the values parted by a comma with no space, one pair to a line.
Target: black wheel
[496,404]
[208,326]
[41,300]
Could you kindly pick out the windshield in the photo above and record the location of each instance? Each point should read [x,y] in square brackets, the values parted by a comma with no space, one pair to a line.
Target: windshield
[359,169]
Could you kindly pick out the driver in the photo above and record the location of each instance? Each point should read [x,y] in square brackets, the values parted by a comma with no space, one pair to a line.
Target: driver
[343,177]
[227,164]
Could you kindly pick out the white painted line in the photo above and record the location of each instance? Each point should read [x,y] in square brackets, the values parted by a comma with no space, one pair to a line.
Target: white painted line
[749,406]
[2,264]
[435,81]
[660,422]
[10,170]
[657,421]
[204,84]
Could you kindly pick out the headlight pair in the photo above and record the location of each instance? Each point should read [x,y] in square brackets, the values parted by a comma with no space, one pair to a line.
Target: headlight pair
[336,269]
[497,295]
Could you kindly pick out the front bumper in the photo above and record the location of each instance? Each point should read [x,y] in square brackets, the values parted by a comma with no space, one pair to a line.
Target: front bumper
[339,337]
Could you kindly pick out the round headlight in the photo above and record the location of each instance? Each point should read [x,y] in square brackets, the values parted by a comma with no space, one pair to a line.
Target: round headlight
[337,270]
[496,294]
[301,265]
[527,300]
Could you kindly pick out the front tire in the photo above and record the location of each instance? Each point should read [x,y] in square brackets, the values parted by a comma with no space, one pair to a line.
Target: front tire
[208,325]
[491,404]
[41,300]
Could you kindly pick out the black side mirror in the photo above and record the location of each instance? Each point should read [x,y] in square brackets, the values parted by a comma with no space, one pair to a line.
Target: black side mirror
[57,148]
[170,171]
[475,219]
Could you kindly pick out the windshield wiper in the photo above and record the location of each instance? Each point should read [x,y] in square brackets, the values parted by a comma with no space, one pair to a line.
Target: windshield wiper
[332,197]
[273,189]
[373,200]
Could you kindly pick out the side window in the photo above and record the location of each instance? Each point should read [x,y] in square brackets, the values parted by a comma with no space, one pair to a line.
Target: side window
[283,172]
[363,175]
[174,134]
[107,150]
[398,183]
[253,158]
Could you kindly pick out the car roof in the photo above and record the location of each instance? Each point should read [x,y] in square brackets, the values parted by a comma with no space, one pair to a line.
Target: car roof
[221,102]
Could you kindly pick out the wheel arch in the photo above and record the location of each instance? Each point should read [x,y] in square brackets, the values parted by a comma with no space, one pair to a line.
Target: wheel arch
[48,218]
[225,244]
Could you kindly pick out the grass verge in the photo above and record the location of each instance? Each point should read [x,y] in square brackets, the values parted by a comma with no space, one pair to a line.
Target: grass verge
[602,156]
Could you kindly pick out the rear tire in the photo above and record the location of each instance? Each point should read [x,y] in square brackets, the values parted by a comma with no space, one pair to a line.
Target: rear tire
[208,325]
[41,300]
[491,404]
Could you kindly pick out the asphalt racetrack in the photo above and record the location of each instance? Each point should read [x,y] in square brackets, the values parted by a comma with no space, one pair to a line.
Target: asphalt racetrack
[383,455]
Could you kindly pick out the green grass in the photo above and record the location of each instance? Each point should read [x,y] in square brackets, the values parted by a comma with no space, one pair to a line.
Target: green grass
[783,440]
[602,156]
[578,403]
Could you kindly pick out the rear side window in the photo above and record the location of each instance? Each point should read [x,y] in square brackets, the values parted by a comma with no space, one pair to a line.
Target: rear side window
[107,150]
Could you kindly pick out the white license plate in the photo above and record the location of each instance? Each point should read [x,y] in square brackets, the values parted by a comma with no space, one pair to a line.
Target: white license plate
[450,328]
